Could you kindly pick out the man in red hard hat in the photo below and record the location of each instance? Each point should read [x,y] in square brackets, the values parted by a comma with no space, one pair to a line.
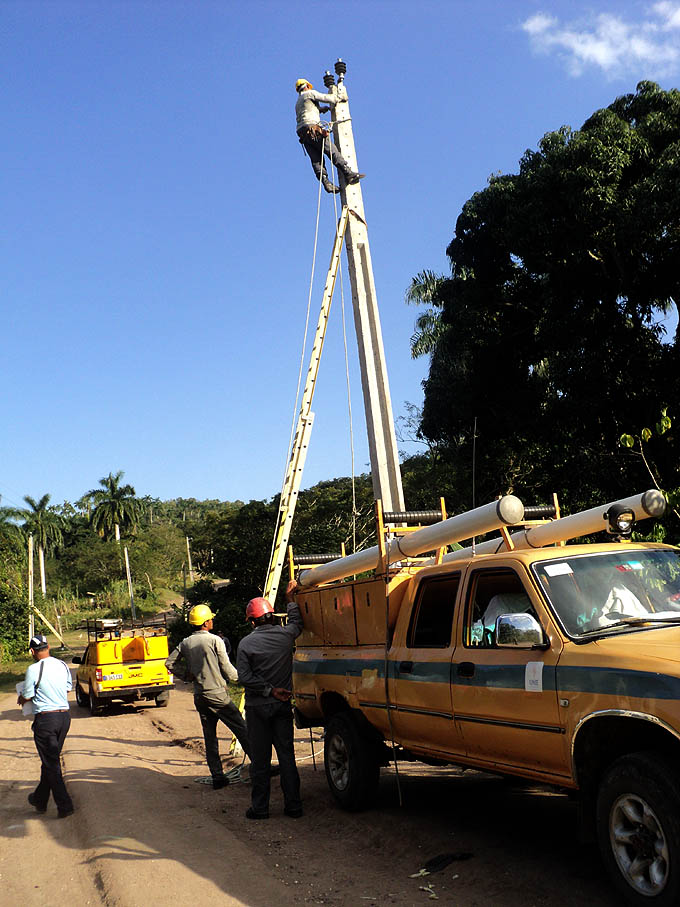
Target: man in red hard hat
[265,668]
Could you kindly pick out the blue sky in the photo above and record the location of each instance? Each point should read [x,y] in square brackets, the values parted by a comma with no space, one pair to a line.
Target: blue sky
[158,214]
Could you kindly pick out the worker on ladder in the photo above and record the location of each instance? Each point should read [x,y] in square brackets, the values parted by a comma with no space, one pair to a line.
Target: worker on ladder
[315,139]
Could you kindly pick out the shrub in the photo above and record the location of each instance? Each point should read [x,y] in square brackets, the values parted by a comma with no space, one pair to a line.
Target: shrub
[13,623]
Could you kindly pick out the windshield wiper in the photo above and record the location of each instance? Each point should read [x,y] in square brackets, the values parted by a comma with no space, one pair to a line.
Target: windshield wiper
[631,622]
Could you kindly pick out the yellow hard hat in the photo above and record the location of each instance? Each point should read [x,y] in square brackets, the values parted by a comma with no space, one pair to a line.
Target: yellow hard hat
[302,83]
[199,614]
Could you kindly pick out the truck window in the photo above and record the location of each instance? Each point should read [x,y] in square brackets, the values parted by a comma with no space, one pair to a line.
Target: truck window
[490,594]
[432,618]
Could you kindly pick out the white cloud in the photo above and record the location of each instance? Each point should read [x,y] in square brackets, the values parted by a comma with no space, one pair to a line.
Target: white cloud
[649,48]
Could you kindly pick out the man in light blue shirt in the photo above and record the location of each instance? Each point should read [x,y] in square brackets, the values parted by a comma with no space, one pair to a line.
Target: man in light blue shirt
[46,685]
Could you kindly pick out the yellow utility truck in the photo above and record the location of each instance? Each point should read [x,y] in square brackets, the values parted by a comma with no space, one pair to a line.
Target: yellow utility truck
[124,663]
[523,655]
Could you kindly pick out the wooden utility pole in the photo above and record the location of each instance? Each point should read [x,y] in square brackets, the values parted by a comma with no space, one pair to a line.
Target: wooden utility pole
[382,440]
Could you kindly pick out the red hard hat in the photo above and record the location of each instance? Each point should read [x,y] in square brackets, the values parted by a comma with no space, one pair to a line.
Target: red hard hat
[258,607]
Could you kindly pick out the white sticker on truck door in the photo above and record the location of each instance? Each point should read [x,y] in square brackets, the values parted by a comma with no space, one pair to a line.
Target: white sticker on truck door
[533,677]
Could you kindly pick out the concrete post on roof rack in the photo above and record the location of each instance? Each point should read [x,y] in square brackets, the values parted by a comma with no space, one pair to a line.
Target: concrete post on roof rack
[505,511]
[382,439]
[650,503]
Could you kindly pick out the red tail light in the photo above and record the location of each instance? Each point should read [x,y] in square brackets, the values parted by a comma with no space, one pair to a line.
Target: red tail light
[98,675]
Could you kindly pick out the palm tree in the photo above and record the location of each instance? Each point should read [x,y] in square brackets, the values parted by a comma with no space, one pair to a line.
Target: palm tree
[115,506]
[45,525]
[425,289]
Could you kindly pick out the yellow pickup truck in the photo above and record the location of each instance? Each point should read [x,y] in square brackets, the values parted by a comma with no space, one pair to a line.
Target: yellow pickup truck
[123,663]
[559,664]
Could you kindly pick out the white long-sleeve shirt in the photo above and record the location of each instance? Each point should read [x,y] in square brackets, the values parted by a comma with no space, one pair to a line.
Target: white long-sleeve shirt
[307,107]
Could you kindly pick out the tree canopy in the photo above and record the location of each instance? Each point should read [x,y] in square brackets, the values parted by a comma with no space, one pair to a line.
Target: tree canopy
[549,339]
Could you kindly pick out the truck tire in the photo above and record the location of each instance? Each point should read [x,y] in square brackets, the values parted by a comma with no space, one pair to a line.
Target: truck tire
[638,829]
[162,700]
[81,698]
[94,703]
[351,763]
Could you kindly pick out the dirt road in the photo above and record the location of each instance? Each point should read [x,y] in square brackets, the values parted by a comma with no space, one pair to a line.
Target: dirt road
[146,834]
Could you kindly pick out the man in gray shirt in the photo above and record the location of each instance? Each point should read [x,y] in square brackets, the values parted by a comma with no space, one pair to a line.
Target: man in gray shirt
[265,667]
[208,665]
[315,139]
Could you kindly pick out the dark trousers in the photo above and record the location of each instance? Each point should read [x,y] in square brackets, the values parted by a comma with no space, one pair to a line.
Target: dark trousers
[210,712]
[272,725]
[49,732]
[315,146]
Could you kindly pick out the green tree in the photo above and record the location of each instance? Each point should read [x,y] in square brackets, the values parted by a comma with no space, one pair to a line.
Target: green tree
[10,532]
[116,508]
[45,525]
[549,341]
[427,289]
[646,446]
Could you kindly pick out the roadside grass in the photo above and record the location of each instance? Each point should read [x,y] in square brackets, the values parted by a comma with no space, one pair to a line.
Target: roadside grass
[12,673]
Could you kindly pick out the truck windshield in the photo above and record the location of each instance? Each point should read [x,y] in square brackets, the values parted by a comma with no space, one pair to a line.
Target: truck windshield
[618,591]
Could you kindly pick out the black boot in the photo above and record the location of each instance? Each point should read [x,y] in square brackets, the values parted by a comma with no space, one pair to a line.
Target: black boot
[351,177]
[328,185]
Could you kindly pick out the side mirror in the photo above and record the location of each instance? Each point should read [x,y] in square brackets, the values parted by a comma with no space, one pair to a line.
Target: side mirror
[76,660]
[519,631]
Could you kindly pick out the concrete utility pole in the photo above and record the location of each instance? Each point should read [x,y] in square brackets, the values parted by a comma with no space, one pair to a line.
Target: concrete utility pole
[191,569]
[31,619]
[129,584]
[382,439]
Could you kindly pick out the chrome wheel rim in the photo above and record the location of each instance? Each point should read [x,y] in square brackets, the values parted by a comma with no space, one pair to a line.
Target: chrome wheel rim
[639,845]
[338,762]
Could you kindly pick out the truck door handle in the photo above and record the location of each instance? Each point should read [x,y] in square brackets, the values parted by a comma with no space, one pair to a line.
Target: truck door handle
[466,669]
[405,667]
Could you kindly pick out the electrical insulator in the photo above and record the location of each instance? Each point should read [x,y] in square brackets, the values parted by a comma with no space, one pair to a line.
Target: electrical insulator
[340,67]
[328,79]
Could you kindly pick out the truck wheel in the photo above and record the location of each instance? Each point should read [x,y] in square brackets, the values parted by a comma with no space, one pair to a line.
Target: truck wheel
[95,703]
[351,764]
[162,700]
[638,829]
[81,698]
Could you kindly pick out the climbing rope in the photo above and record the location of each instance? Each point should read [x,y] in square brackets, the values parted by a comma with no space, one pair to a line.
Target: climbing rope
[302,363]
[302,360]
